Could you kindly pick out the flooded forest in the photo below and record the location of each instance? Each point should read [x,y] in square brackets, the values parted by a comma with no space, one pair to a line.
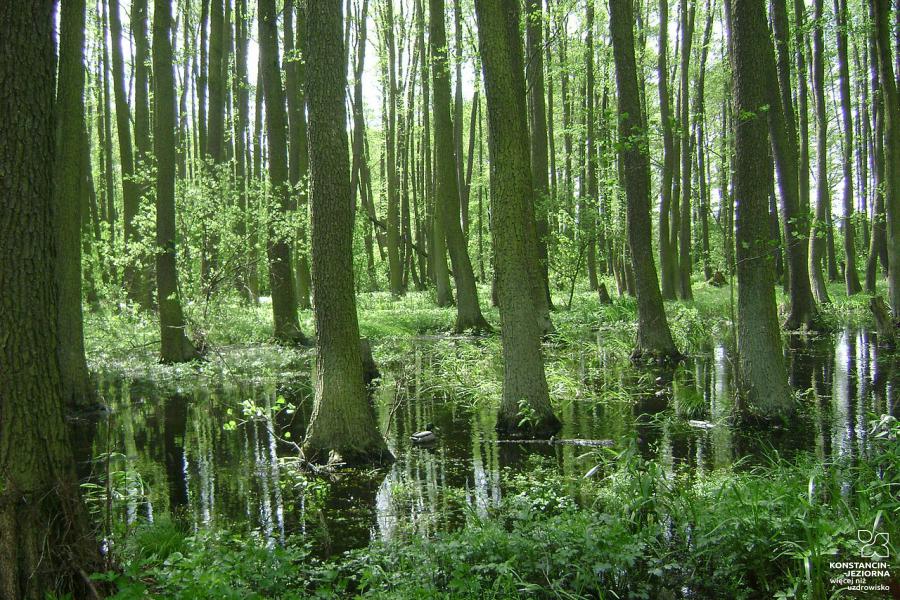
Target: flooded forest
[449,299]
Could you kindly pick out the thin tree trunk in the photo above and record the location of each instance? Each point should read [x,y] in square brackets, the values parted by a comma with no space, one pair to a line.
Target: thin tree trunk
[174,345]
[666,252]
[818,233]
[685,264]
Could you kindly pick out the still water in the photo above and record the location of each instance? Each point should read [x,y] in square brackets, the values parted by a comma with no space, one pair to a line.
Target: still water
[224,454]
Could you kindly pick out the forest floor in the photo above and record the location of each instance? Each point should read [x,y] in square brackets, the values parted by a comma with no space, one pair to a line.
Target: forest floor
[632,526]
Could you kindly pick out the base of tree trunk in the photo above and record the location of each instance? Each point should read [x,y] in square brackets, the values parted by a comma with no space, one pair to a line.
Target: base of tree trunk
[717,280]
[478,326]
[603,294]
[660,358]
[377,456]
[542,429]
[884,324]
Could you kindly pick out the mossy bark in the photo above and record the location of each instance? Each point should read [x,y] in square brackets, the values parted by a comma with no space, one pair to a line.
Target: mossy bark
[278,250]
[46,546]
[654,339]
[174,343]
[342,427]
[763,373]
[468,310]
[525,406]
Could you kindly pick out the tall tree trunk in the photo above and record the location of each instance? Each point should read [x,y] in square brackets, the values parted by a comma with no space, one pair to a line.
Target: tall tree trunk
[47,544]
[130,191]
[174,345]
[458,111]
[654,339]
[395,266]
[468,311]
[142,140]
[763,373]
[589,193]
[818,233]
[298,159]
[203,76]
[783,131]
[278,250]
[342,427]
[68,200]
[685,264]
[851,277]
[891,104]
[537,116]
[241,95]
[524,381]
[878,241]
[667,265]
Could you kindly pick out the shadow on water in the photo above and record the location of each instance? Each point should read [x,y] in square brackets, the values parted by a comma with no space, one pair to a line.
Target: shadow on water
[225,454]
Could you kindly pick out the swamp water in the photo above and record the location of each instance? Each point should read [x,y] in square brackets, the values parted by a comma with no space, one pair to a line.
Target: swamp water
[224,453]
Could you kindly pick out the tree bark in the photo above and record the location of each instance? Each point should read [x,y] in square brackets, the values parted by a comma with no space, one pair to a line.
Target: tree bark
[468,311]
[783,132]
[278,250]
[654,339]
[524,381]
[175,345]
[818,233]
[685,264]
[342,427]
[667,264]
[764,376]
[851,277]
[68,200]
[130,191]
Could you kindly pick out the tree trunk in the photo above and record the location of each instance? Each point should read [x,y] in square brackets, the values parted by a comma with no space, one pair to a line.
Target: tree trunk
[281,274]
[468,311]
[130,191]
[851,277]
[395,266]
[666,252]
[47,545]
[298,159]
[891,104]
[525,406]
[783,131]
[589,193]
[685,264]
[174,346]
[142,140]
[763,373]
[68,199]
[818,233]
[654,339]
[537,116]
[241,95]
[342,427]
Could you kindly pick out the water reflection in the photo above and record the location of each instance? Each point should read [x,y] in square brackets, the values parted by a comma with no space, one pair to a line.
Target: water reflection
[223,453]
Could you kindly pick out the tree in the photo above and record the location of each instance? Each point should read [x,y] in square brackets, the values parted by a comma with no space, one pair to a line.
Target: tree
[851,277]
[891,103]
[524,381]
[818,233]
[537,119]
[281,274]
[130,191]
[174,343]
[763,373]
[468,311]
[342,427]
[684,235]
[667,263]
[654,339]
[783,131]
[47,545]
[68,199]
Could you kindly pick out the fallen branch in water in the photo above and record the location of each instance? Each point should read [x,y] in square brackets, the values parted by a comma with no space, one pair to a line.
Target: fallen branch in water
[556,442]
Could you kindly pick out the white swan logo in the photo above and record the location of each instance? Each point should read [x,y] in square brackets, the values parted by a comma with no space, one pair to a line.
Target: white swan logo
[875,545]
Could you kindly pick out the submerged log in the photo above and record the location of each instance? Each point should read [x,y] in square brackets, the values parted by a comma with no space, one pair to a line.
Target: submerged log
[884,324]
[558,442]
